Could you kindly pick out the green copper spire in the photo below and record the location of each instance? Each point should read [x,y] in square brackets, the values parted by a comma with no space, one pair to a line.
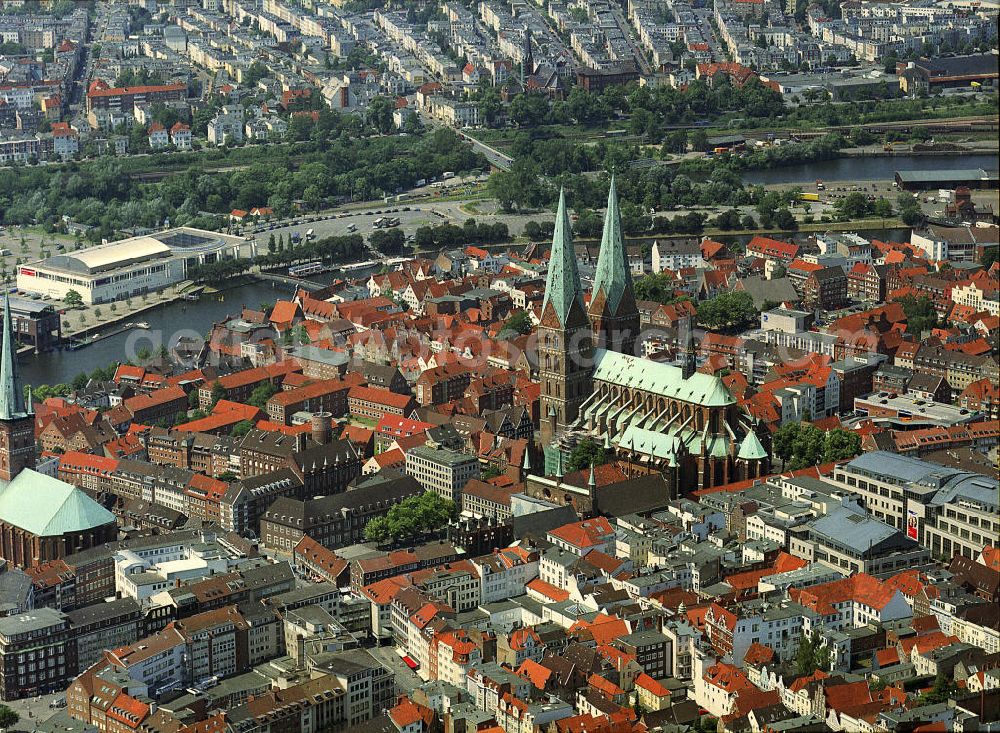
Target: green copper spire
[562,284]
[751,448]
[612,273]
[11,396]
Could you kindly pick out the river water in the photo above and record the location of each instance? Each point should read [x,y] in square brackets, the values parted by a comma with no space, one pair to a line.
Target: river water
[866,169]
[165,322]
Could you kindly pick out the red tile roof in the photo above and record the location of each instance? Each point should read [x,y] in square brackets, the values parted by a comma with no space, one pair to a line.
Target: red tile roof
[535,673]
[860,588]
[548,590]
[650,685]
[586,533]
[727,678]
[101,89]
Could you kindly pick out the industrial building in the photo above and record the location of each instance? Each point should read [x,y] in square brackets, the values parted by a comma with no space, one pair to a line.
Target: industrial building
[924,75]
[946,178]
[130,267]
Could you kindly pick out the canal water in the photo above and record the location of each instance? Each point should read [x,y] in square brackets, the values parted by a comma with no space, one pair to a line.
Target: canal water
[866,169]
[166,322]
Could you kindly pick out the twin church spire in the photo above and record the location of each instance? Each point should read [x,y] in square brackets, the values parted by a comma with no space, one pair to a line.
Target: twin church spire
[612,304]
[569,331]
[613,310]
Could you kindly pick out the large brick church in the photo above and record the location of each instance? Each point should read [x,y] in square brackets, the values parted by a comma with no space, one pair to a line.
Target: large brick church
[654,416]
[41,518]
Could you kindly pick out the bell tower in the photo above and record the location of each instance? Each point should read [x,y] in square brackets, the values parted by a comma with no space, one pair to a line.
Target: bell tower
[613,310]
[17,422]
[565,349]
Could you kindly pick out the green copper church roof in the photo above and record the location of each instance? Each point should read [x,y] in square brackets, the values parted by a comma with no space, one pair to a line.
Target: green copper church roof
[47,507]
[665,445]
[11,396]
[656,377]
[612,274]
[751,448]
[562,284]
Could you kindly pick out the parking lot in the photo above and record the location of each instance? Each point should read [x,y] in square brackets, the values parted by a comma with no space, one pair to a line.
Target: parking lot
[344,223]
[26,245]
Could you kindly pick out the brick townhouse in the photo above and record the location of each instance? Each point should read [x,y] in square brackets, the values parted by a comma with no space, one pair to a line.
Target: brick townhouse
[825,289]
[162,404]
[201,452]
[443,384]
[333,521]
[374,402]
[240,385]
[328,395]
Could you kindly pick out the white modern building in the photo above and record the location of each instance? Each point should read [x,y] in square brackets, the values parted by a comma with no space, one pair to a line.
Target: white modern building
[130,267]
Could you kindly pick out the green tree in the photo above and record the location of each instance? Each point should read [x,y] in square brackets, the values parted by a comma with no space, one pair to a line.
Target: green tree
[706,724]
[489,107]
[802,444]
[259,397]
[529,110]
[656,286]
[882,208]
[943,688]
[853,206]
[8,717]
[388,241]
[218,393]
[989,257]
[813,654]
[699,140]
[839,444]
[728,220]
[727,310]
[587,453]
[241,428]
[520,322]
[785,220]
[490,472]
[909,209]
[412,518]
[379,114]
[73,299]
[920,314]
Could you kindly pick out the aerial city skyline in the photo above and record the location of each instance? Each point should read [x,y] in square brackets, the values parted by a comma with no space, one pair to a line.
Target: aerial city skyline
[560,366]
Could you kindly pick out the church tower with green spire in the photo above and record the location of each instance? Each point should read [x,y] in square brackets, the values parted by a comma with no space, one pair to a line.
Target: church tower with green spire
[613,310]
[17,423]
[565,349]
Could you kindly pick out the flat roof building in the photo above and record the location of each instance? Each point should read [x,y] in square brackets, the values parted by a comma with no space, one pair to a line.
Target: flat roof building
[442,470]
[130,267]
[946,178]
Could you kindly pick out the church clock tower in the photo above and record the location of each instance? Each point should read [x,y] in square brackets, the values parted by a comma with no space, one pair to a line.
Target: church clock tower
[565,349]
